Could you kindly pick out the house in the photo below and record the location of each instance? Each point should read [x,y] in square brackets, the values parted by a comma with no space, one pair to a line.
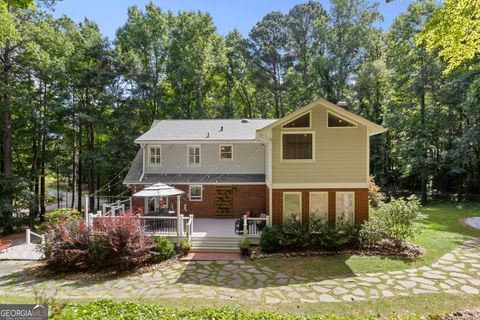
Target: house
[313,162]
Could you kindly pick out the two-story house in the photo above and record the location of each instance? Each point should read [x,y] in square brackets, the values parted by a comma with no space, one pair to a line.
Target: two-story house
[314,161]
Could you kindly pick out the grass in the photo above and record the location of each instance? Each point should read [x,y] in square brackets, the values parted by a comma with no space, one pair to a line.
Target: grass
[442,233]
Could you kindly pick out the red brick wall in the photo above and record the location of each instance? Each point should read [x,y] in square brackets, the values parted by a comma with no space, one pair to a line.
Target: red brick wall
[245,198]
[361,204]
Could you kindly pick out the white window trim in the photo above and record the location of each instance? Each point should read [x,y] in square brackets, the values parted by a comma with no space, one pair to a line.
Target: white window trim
[199,155]
[341,117]
[300,204]
[220,152]
[150,147]
[298,160]
[190,192]
[302,128]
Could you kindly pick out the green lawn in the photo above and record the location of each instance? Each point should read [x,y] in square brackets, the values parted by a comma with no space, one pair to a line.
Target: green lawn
[442,234]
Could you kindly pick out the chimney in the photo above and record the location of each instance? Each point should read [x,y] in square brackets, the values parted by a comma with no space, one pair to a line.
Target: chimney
[343,104]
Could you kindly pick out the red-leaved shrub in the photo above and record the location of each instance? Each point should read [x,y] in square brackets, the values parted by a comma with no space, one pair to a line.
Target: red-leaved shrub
[112,241]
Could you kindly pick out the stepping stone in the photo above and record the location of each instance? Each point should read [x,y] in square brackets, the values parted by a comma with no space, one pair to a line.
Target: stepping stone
[272,300]
[321,289]
[407,284]
[369,279]
[359,292]
[339,291]
[431,275]
[469,290]
[327,298]
[422,280]
[387,293]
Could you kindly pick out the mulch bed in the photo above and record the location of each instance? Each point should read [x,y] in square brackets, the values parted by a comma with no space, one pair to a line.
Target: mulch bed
[408,251]
[471,314]
[41,270]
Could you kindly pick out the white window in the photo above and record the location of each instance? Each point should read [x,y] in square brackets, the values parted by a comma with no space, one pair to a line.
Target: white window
[155,155]
[292,205]
[345,208]
[303,121]
[335,121]
[195,192]
[226,152]
[193,155]
[318,206]
[298,147]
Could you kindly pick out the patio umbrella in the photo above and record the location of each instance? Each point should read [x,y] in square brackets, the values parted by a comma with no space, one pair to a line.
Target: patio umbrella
[163,190]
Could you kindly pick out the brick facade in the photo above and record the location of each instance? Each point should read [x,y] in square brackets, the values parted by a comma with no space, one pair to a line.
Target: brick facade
[361,204]
[245,198]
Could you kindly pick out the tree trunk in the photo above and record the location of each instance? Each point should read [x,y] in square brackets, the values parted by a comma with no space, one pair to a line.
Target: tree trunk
[6,113]
[91,176]
[423,175]
[79,166]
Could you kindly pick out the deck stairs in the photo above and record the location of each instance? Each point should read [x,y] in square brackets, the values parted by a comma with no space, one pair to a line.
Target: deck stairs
[217,244]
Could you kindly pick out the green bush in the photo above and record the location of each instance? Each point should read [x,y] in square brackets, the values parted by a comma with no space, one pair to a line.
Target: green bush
[330,237]
[185,245]
[245,247]
[269,239]
[294,234]
[398,220]
[164,249]
[99,253]
[54,217]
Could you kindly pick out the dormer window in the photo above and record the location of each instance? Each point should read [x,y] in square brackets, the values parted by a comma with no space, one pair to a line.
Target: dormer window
[302,122]
[335,121]
[155,155]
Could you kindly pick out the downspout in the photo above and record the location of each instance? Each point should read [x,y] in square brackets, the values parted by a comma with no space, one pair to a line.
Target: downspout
[143,162]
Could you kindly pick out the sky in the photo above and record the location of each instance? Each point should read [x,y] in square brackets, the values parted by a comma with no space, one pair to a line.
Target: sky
[227,14]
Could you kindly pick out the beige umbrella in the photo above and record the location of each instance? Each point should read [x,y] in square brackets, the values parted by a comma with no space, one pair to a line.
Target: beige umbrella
[163,190]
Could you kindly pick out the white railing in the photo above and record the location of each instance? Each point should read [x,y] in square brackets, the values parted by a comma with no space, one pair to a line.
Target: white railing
[155,225]
[116,208]
[253,226]
[29,235]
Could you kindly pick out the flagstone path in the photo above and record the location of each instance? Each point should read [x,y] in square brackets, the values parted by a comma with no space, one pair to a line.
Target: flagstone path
[455,272]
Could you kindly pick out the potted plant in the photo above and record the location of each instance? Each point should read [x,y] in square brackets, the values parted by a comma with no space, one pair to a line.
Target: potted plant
[185,246]
[245,247]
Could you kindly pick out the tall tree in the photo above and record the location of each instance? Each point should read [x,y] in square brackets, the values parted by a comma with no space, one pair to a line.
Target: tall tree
[269,52]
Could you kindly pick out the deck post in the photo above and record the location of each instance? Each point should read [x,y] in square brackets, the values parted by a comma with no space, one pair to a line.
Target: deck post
[178,221]
[181,225]
[28,236]
[86,206]
[191,223]
[245,225]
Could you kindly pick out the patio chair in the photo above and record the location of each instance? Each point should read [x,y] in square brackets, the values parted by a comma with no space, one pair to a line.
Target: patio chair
[5,245]
[261,224]
[240,222]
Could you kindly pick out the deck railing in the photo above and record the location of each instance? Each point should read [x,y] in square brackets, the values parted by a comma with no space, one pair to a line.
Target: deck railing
[154,225]
[253,226]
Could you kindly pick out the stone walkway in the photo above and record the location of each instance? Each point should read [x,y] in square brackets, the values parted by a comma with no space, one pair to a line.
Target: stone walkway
[455,272]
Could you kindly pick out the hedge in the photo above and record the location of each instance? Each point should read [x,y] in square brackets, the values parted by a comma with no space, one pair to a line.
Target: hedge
[108,309]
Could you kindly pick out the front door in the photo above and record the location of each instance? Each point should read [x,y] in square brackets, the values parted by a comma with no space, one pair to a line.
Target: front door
[224,201]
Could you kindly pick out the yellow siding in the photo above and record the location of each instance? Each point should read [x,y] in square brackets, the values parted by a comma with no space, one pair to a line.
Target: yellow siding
[341,154]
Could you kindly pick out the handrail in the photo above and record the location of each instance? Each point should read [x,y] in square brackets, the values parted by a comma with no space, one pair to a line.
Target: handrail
[29,234]
[254,226]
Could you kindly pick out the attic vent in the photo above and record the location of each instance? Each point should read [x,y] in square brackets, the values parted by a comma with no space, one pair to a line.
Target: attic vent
[245,121]
[221,128]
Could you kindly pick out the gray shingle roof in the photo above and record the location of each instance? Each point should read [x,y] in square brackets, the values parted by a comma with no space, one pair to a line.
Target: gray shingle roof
[203,130]
[135,172]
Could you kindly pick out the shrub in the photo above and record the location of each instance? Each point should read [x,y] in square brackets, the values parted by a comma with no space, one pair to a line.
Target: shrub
[54,217]
[164,249]
[99,253]
[185,245]
[126,239]
[294,235]
[269,239]
[67,245]
[330,237]
[375,196]
[118,242]
[399,220]
[245,247]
